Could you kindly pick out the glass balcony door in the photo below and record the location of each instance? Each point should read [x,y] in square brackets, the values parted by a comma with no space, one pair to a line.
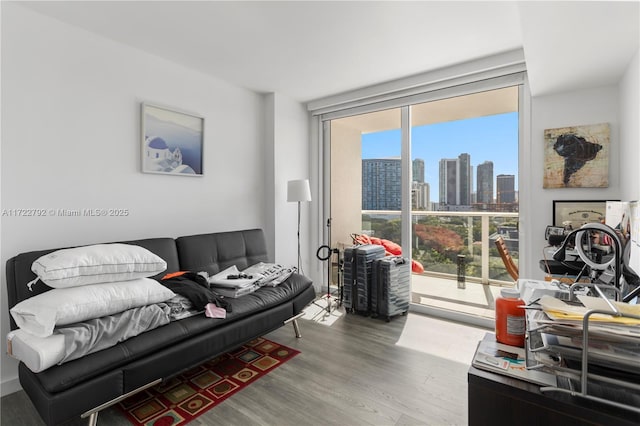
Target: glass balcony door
[425,177]
[463,149]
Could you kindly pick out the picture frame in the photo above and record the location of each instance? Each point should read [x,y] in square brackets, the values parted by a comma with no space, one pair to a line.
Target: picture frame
[172,141]
[577,156]
[572,214]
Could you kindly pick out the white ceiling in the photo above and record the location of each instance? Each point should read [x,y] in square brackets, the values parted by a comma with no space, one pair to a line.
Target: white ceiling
[311,49]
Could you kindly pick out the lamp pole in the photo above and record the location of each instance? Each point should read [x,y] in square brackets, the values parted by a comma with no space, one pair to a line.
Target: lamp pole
[298,191]
[299,237]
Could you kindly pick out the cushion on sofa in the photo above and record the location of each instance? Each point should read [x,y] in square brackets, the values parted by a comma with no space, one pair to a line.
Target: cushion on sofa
[39,314]
[215,252]
[98,263]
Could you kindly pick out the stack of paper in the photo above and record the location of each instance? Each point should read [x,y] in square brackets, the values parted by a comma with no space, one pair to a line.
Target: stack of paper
[614,340]
[559,310]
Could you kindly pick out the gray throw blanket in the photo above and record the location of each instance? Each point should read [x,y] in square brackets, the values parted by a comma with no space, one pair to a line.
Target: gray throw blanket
[101,333]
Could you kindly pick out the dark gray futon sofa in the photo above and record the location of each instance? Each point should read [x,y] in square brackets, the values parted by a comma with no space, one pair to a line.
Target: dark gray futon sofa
[84,386]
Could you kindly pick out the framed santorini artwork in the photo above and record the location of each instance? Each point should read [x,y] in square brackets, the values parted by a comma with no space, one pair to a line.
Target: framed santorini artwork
[172,141]
[577,157]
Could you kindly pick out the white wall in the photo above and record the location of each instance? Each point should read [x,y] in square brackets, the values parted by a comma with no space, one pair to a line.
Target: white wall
[70,139]
[618,105]
[290,136]
[629,93]
[593,106]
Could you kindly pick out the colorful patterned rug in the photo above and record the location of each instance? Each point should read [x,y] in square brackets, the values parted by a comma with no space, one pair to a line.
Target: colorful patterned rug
[187,396]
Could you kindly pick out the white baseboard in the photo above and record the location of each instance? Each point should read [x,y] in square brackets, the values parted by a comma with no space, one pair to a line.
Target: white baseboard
[10,386]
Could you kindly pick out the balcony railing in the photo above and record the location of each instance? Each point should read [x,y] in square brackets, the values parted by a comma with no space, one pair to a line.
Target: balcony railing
[439,238]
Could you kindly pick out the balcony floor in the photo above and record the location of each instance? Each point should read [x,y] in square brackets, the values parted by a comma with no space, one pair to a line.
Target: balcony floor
[475,299]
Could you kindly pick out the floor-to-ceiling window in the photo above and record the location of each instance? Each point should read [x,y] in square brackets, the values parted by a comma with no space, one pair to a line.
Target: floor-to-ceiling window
[438,176]
[464,153]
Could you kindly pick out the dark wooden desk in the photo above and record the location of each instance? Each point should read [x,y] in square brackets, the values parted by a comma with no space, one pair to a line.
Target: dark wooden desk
[499,400]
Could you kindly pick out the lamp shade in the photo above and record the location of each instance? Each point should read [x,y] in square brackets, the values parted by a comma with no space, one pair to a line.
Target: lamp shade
[298,190]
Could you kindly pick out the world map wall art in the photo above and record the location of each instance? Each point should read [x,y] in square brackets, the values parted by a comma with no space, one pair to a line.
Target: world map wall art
[577,157]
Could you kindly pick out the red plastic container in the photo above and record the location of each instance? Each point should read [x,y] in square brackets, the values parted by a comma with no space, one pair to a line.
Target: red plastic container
[510,318]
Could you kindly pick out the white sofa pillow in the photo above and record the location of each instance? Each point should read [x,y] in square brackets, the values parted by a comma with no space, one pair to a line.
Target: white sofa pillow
[98,263]
[39,314]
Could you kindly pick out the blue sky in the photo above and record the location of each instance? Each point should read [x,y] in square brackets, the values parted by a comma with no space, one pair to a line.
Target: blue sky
[492,138]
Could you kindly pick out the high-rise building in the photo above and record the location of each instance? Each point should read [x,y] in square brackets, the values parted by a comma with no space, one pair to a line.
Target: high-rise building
[420,196]
[484,182]
[465,179]
[505,186]
[418,170]
[456,180]
[381,184]
[448,181]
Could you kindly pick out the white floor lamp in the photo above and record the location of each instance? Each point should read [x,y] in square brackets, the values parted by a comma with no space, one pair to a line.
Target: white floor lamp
[298,191]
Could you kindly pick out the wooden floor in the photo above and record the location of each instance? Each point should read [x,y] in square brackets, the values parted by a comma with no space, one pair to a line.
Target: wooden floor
[358,371]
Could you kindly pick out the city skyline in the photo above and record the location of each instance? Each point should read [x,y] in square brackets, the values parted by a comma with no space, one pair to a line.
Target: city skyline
[382,183]
[492,138]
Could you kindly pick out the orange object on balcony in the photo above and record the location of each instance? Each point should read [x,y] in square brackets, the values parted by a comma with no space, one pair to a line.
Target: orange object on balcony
[375,240]
[392,247]
[509,264]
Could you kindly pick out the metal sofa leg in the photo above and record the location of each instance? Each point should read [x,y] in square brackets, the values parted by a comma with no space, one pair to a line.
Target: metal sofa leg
[294,321]
[93,419]
[93,413]
[296,328]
